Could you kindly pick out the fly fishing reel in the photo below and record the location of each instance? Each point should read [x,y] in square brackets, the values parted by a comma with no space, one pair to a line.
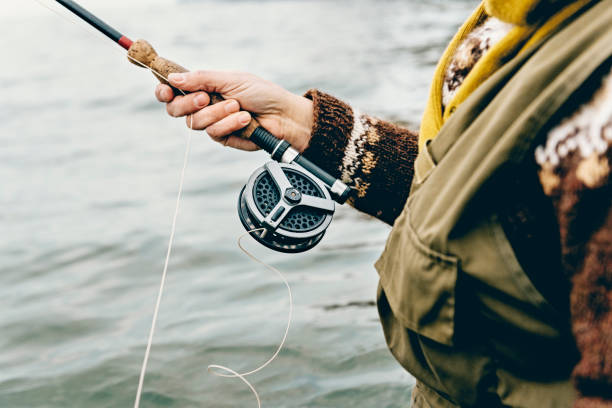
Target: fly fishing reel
[289,203]
[292,208]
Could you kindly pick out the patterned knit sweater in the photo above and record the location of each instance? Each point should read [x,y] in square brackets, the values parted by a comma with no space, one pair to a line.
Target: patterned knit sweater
[376,158]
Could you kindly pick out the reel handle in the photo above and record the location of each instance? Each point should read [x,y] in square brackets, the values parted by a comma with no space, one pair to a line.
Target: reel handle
[144,53]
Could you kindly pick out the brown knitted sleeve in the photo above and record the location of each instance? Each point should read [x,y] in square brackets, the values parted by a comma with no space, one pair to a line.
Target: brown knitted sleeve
[575,173]
[373,156]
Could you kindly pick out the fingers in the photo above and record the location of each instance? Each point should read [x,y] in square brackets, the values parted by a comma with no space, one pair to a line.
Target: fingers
[183,104]
[228,125]
[187,104]
[208,81]
[221,130]
[211,114]
[239,143]
[220,120]
[164,93]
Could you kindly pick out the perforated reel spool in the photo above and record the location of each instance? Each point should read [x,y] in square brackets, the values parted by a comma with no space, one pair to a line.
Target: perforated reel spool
[292,206]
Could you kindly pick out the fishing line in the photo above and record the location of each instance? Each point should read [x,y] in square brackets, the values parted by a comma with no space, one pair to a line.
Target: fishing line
[242,376]
[172,229]
[214,369]
[164,274]
[72,20]
[162,285]
[211,367]
[290,295]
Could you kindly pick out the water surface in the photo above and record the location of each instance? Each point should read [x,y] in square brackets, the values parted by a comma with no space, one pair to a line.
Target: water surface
[89,168]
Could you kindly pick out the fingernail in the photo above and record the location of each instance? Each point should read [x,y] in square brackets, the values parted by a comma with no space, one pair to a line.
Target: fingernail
[201,100]
[244,118]
[177,78]
[231,106]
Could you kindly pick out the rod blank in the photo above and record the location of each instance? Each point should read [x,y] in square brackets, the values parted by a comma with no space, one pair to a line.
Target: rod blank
[97,23]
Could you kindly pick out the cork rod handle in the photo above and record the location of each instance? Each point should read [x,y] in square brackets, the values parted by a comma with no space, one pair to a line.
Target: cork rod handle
[145,54]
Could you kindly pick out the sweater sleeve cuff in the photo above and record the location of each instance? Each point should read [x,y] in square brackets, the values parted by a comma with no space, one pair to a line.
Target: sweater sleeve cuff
[333,123]
[372,156]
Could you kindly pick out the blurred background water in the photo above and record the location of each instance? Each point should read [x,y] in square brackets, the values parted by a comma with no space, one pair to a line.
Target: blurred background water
[89,168]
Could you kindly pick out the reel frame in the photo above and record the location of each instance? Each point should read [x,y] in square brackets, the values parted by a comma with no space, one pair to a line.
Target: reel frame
[297,221]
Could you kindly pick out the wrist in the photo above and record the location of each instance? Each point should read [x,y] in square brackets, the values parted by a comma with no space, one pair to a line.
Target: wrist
[298,121]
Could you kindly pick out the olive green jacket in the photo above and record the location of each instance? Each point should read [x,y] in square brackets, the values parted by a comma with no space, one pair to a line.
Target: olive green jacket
[458,310]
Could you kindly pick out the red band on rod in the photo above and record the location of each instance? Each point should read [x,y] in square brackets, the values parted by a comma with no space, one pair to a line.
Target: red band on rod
[125,42]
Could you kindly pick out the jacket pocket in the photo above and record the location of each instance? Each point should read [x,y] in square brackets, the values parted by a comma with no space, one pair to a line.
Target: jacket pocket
[419,283]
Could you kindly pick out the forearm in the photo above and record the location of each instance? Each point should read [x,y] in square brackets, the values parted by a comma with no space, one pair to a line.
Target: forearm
[374,157]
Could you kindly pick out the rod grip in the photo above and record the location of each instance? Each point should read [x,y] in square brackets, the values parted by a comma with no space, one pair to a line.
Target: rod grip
[142,54]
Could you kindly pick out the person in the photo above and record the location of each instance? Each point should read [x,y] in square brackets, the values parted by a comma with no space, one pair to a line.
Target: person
[496,280]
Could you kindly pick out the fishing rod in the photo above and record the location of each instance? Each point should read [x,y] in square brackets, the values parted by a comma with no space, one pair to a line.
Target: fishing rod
[288,201]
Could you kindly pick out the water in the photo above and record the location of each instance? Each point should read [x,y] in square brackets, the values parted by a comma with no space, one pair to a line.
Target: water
[89,167]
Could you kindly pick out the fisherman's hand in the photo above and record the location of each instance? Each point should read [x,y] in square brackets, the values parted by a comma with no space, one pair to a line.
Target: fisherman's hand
[285,115]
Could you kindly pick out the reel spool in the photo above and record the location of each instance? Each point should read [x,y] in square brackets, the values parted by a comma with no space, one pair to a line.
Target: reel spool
[291,207]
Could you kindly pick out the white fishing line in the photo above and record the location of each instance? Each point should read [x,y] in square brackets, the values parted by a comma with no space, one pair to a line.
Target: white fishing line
[242,376]
[174,219]
[72,19]
[212,367]
[162,285]
[164,275]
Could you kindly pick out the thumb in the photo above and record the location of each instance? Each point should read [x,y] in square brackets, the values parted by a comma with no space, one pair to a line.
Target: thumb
[207,81]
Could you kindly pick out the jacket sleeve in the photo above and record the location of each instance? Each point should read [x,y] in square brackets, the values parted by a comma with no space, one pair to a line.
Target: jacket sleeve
[374,157]
[575,173]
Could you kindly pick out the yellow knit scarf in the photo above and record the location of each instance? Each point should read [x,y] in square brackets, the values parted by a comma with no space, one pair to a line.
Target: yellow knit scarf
[521,37]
